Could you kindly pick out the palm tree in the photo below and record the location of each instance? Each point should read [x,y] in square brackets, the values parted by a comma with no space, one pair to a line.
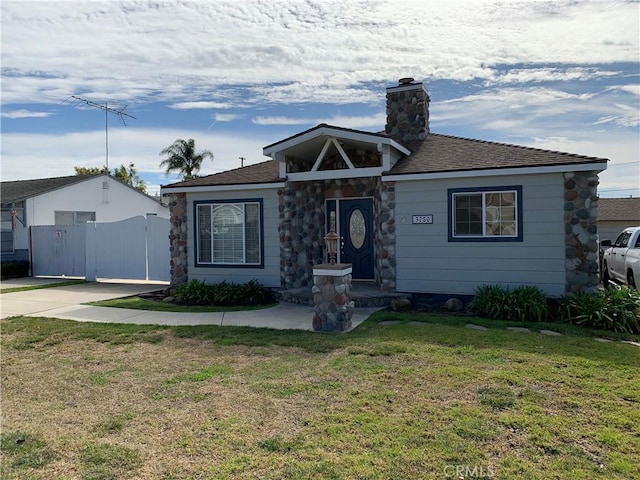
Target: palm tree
[182,157]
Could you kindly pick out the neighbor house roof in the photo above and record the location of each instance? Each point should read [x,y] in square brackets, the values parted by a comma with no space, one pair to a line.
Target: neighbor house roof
[17,190]
[619,209]
[437,154]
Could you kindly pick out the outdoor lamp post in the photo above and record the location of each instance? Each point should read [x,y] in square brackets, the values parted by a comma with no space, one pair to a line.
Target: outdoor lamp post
[331,240]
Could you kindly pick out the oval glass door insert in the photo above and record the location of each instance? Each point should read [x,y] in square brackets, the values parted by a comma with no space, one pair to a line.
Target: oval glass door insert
[357,228]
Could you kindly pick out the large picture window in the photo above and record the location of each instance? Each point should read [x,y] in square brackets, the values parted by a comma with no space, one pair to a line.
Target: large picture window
[229,233]
[487,214]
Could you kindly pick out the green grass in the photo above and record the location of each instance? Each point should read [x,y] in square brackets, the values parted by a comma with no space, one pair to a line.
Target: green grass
[22,450]
[137,303]
[38,287]
[393,401]
[108,462]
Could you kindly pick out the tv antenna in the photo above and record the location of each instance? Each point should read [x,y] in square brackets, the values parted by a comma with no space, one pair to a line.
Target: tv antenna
[107,110]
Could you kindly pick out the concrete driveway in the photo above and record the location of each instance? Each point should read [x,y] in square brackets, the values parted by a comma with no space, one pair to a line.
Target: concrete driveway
[65,302]
[45,301]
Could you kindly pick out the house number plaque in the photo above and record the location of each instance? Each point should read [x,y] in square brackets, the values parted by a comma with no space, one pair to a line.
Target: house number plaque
[422,219]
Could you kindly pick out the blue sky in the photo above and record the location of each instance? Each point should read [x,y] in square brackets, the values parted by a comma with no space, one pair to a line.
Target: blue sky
[239,75]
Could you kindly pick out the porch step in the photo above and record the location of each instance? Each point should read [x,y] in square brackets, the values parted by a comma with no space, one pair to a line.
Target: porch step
[363,295]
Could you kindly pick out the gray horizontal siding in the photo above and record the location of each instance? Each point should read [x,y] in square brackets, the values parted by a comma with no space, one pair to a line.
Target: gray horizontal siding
[427,262]
[269,275]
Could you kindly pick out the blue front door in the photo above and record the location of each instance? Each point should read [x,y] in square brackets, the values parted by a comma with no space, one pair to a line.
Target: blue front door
[355,226]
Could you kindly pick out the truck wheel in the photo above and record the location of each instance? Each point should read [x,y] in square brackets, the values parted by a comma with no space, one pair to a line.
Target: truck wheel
[605,276]
[630,280]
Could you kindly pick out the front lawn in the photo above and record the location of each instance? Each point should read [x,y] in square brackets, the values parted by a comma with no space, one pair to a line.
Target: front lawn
[423,398]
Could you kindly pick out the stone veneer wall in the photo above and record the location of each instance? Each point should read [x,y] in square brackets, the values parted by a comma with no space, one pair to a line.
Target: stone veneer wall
[302,227]
[384,206]
[301,230]
[581,217]
[407,113]
[178,239]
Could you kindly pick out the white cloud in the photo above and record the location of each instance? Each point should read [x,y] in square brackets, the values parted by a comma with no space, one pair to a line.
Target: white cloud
[200,105]
[140,146]
[376,122]
[532,111]
[279,120]
[228,54]
[355,122]
[634,89]
[558,74]
[22,113]
[181,52]
[622,176]
[226,117]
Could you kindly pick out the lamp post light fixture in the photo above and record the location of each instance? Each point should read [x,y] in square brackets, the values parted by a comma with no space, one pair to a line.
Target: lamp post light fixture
[331,240]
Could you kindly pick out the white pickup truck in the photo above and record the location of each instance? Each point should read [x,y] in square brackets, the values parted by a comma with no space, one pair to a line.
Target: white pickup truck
[621,259]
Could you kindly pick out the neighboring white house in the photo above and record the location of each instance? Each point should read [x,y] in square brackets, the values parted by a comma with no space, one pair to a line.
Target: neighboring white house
[616,214]
[418,212]
[67,201]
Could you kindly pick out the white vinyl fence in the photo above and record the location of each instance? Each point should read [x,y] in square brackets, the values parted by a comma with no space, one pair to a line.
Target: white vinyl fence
[136,248]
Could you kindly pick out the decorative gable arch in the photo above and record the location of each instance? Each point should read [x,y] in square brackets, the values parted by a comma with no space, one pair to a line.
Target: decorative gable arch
[327,152]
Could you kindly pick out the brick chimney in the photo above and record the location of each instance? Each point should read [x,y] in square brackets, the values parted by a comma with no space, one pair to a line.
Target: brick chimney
[407,112]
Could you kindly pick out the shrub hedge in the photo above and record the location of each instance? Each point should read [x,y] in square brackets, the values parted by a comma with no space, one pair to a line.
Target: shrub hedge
[616,309]
[224,293]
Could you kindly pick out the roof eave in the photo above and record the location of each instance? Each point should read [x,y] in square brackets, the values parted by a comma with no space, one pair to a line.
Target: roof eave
[500,171]
[329,130]
[167,190]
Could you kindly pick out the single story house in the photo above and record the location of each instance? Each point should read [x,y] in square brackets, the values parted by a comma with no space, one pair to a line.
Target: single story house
[66,201]
[616,214]
[418,212]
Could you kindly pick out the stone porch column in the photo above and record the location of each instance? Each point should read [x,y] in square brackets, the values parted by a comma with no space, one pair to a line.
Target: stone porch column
[332,297]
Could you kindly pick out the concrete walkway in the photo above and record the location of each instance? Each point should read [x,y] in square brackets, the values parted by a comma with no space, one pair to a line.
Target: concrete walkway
[65,302]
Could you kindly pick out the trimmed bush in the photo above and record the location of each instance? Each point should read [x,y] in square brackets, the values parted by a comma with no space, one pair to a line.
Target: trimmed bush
[224,293]
[523,304]
[15,269]
[195,292]
[616,309]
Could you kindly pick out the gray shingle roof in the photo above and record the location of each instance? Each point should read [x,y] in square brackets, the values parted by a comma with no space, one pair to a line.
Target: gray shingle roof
[619,209]
[437,154]
[444,153]
[265,172]
[22,189]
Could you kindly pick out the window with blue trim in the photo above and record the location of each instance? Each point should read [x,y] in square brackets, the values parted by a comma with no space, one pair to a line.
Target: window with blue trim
[229,233]
[485,214]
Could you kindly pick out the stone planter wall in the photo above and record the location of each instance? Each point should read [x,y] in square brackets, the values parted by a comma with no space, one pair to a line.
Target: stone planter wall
[581,217]
[178,239]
